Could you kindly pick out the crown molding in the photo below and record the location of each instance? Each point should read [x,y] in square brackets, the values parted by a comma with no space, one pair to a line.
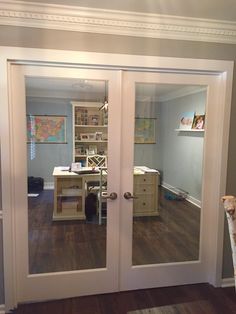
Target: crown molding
[81,19]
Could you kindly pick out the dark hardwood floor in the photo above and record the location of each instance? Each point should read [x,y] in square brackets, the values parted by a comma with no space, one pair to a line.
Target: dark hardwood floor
[211,301]
[173,236]
[62,245]
[71,245]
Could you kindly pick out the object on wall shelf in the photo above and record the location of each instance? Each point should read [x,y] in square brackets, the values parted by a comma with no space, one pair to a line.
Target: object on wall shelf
[145,131]
[198,122]
[186,120]
[46,129]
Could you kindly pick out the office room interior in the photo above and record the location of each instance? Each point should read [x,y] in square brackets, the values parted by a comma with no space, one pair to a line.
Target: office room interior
[175,155]
[82,110]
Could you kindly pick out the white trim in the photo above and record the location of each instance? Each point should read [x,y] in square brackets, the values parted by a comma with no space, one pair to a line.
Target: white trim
[2,309]
[228,282]
[81,19]
[224,70]
[189,198]
[48,185]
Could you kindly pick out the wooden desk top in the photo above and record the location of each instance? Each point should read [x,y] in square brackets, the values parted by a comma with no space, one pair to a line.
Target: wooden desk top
[63,172]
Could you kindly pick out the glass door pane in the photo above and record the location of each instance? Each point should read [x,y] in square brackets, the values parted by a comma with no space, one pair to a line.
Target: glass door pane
[67,143]
[168,155]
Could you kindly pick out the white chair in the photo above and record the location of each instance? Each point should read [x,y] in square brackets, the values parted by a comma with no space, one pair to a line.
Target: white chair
[102,201]
[96,161]
[98,187]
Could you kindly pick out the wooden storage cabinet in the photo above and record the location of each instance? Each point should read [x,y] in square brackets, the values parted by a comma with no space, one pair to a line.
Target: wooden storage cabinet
[146,191]
[89,130]
[68,198]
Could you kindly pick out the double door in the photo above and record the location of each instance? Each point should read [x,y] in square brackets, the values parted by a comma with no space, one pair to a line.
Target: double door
[152,234]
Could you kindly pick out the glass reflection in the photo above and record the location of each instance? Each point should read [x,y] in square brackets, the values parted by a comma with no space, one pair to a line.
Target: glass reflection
[168,153]
[66,129]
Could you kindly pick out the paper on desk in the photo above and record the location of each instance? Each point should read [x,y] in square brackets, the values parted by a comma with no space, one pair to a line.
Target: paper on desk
[145,169]
[62,168]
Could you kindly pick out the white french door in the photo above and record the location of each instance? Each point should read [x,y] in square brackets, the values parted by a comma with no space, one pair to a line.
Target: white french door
[66,257]
[174,246]
[126,249]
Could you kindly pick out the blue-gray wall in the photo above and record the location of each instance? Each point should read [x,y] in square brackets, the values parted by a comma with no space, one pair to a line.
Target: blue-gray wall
[178,155]
[182,151]
[48,156]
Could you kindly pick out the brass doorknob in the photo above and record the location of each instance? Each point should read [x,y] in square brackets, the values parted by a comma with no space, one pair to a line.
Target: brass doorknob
[112,196]
[128,196]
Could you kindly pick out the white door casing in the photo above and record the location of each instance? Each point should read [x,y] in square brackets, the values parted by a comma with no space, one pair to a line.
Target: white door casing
[217,146]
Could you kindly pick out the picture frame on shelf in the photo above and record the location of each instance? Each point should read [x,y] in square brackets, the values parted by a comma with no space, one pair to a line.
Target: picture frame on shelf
[84,136]
[93,119]
[198,122]
[186,120]
[80,150]
[92,150]
[87,136]
[91,136]
[98,136]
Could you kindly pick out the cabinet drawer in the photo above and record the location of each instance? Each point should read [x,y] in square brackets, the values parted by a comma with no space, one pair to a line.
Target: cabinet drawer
[144,188]
[144,179]
[144,204]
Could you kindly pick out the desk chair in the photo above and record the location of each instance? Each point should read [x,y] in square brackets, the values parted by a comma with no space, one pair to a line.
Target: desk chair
[99,161]
[96,161]
[98,187]
[102,201]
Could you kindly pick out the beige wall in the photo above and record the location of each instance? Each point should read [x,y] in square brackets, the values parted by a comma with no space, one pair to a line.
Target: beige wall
[36,38]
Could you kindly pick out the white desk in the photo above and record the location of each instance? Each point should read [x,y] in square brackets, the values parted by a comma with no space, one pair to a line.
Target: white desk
[70,192]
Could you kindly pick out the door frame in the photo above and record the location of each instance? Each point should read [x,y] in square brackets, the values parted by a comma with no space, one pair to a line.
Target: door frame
[27,56]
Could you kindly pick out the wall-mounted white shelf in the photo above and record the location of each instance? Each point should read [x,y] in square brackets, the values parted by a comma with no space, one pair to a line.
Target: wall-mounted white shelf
[191,130]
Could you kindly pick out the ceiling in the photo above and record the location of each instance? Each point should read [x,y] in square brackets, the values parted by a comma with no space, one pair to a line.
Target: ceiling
[207,9]
[94,90]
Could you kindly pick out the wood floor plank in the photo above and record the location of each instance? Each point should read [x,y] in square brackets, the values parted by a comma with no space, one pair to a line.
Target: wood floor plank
[201,299]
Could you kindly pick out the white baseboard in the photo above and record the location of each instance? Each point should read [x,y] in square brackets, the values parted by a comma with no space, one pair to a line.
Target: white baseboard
[190,198]
[227,282]
[48,185]
[2,309]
